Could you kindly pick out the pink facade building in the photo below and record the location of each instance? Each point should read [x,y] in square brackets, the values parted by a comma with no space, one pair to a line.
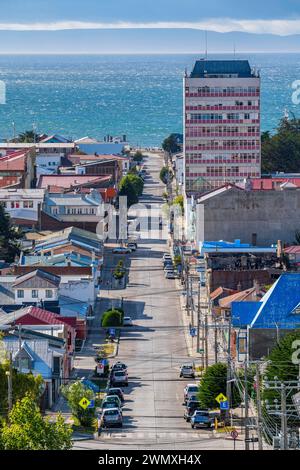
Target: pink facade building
[221,124]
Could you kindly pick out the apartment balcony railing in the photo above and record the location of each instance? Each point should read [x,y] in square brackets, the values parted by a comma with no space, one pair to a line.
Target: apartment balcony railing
[222,134]
[221,149]
[223,175]
[222,121]
[222,108]
[203,94]
[222,162]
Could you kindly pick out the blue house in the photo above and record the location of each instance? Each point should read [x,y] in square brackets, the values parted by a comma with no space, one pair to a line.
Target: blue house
[259,325]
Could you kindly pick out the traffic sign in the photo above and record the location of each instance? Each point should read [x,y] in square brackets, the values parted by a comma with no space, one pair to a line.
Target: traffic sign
[234,434]
[193,332]
[221,397]
[84,403]
[224,405]
[91,404]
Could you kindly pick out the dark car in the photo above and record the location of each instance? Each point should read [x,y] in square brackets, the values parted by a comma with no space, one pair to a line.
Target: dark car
[116,391]
[190,409]
[119,366]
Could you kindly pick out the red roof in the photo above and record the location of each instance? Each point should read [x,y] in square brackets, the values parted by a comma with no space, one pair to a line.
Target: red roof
[13,162]
[66,181]
[267,184]
[44,316]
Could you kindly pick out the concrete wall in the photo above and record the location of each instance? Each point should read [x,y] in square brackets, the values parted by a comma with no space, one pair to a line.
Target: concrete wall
[237,214]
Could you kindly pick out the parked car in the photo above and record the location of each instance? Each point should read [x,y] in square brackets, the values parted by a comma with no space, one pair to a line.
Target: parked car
[121,250]
[170,275]
[112,399]
[119,366]
[132,246]
[190,409]
[116,391]
[127,321]
[112,417]
[169,267]
[167,256]
[189,391]
[107,405]
[201,418]
[119,377]
[187,370]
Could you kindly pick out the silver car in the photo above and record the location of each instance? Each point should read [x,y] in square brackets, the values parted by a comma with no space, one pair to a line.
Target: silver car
[119,377]
[111,417]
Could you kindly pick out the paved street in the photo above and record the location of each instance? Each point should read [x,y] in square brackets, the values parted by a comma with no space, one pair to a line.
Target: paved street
[153,349]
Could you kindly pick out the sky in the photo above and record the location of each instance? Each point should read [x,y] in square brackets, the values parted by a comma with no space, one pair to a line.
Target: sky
[36,25]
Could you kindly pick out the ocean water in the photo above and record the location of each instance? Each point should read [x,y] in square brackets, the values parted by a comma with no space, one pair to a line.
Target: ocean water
[136,95]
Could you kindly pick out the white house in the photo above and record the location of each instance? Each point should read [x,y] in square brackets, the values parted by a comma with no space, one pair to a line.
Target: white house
[22,204]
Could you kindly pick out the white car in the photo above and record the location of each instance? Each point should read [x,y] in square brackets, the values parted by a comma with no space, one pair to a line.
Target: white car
[190,390]
[127,321]
[120,250]
[187,370]
[166,256]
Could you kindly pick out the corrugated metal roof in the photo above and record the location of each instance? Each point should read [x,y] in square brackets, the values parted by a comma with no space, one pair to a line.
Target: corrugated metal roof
[37,279]
[202,68]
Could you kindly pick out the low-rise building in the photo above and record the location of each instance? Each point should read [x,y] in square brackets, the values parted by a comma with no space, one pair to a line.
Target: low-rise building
[23,205]
[17,169]
[260,324]
[260,218]
[71,207]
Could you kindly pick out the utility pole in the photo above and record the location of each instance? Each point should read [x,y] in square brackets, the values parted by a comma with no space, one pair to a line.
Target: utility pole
[228,384]
[284,436]
[216,342]
[246,400]
[259,409]
[198,316]
[206,341]
[9,383]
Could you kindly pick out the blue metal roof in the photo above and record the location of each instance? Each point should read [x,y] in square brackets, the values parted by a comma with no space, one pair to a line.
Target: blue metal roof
[243,313]
[277,308]
[204,67]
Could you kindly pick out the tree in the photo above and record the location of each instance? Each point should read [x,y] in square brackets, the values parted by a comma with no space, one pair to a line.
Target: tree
[112,317]
[28,430]
[28,137]
[171,143]
[127,189]
[212,384]
[22,385]
[9,237]
[74,393]
[165,175]
[132,187]
[138,156]
[281,361]
[179,201]
[281,152]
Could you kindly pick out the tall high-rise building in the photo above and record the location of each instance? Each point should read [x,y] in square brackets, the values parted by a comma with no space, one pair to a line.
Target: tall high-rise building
[221,124]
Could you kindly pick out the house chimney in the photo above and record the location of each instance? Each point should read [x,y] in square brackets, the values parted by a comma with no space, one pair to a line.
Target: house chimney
[279,249]
[239,286]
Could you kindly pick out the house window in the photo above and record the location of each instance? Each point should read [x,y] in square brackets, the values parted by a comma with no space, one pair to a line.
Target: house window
[28,204]
[20,294]
[34,293]
[25,363]
[49,294]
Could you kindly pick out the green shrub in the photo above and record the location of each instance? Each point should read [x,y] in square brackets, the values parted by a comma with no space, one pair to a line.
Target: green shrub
[112,318]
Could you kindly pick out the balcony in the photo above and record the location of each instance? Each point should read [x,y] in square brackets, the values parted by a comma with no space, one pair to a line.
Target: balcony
[208,94]
[238,148]
[222,108]
[221,134]
[222,121]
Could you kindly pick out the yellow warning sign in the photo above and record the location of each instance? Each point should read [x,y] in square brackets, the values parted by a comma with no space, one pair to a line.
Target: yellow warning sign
[84,403]
[221,397]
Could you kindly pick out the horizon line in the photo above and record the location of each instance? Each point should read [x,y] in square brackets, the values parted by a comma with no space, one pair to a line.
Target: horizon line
[278,27]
